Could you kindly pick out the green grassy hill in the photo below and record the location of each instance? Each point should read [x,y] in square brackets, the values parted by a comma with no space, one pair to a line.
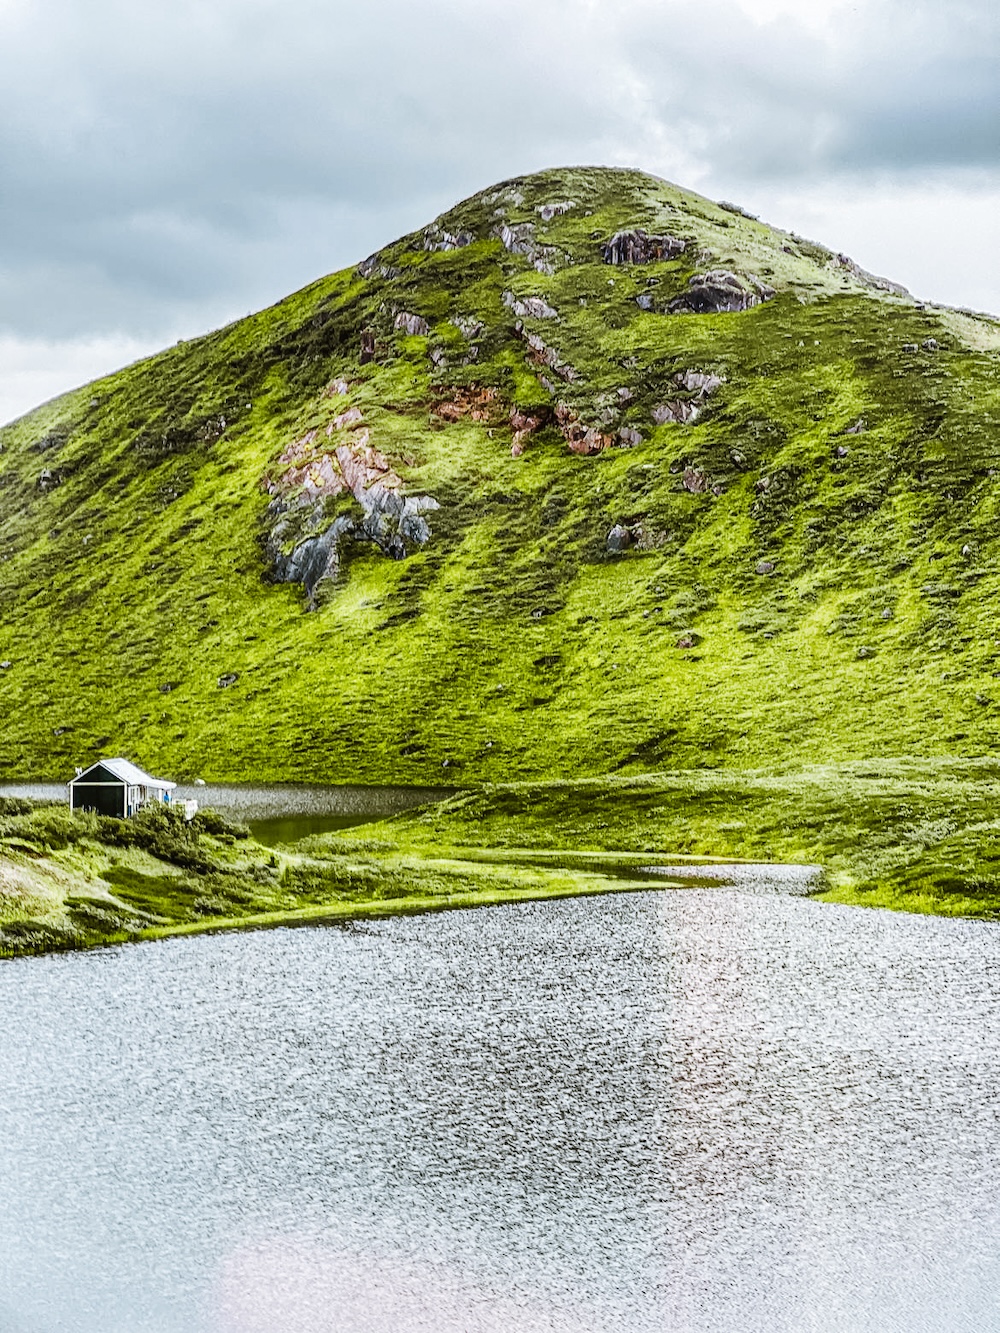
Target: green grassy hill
[516,498]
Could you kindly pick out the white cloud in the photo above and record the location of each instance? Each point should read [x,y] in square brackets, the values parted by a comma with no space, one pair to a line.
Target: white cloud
[33,370]
[167,167]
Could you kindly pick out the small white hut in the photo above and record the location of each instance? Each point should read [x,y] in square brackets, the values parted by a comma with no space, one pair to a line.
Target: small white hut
[116,787]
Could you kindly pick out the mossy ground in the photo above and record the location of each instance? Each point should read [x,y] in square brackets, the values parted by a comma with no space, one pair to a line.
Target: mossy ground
[514,645]
[78,881]
[802,596]
[910,836]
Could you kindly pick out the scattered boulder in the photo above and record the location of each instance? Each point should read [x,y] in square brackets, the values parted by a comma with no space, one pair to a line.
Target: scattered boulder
[619,539]
[168,686]
[367,350]
[638,247]
[336,388]
[764,567]
[549,211]
[841,451]
[415,326]
[910,347]
[435,238]
[644,301]
[351,417]
[695,381]
[720,292]
[230,678]
[629,437]
[48,480]
[519,239]
[677,409]
[930,345]
[866,279]
[736,208]
[468,326]
[695,480]
[6,664]
[544,355]
[532,307]
[859,427]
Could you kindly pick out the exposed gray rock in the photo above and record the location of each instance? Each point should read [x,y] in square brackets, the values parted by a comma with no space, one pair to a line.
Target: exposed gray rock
[545,355]
[859,427]
[764,567]
[6,664]
[629,437]
[549,211]
[390,520]
[910,347]
[519,239]
[695,381]
[230,678]
[413,325]
[532,307]
[374,264]
[841,451]
[736,208]
[930,345]
[677,409]
[49,480]
[719,292]
[867,279]
[638,247]
[436,238]
[468,326]
[644,301]
[619,538]
[695,480]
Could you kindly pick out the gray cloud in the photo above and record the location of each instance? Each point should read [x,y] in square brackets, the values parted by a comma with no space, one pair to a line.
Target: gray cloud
[164,167]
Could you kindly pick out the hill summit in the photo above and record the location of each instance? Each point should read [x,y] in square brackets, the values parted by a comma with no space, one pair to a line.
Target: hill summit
[590,474]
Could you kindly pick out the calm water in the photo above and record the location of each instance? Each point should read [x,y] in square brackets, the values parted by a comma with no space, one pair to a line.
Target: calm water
[705,1109]
[280,813]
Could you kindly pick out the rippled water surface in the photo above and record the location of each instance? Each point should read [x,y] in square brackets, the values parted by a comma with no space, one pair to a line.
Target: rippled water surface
[696,1109]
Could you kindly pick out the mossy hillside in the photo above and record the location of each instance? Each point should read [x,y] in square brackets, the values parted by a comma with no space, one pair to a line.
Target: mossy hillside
[916,836]
[76,881]
[133,578]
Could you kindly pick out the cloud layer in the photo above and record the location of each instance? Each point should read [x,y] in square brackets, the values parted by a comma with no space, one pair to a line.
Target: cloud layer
[166,167]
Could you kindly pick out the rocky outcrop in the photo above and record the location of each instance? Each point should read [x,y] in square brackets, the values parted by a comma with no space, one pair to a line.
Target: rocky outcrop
[697,382]
[549,211]
[519,239]
[301,542]
[373,265]
[468,326]
[413,325]
[530,307]
[679,410]
[581,437]
[846,264]
[720,292]
[637,247]
[436,238]
[543,355]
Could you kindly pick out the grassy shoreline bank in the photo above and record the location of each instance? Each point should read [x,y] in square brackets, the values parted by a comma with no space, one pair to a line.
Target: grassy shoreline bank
[908,835]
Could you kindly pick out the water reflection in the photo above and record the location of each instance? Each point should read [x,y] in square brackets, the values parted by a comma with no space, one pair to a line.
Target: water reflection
[700,1110]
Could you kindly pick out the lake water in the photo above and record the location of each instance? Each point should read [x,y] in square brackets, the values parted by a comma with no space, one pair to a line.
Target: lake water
[280,812]
[701,1109]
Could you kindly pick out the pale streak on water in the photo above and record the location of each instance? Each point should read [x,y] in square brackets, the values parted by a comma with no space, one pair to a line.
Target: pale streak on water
[703,1109]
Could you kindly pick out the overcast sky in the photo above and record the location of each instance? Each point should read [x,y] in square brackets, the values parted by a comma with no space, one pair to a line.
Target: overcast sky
[168,165]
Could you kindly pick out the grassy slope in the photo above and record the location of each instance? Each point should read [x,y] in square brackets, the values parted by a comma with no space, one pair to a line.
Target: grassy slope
[874,634]
[80,881]
[918,836]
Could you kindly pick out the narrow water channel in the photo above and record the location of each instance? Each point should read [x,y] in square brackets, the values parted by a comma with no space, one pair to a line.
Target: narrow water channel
[703,1109]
